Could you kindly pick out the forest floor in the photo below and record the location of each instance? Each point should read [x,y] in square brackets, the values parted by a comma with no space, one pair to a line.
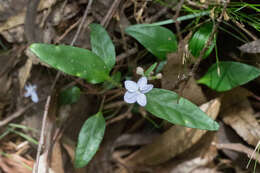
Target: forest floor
[44,134]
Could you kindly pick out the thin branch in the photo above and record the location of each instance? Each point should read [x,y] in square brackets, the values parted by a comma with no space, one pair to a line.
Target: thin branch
[82,22]
[239,148]
[18,113]
[127,114]
[66,32]
[110,13]
[126,54]
[245,30]
[41,142]
[177,23]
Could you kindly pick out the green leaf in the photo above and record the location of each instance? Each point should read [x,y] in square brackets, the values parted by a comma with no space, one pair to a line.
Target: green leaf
[90,137]
[156,39]
[69,96]
[164,104]
[102,45]
[231,74]
[199,40]
[150,69]
[72,60]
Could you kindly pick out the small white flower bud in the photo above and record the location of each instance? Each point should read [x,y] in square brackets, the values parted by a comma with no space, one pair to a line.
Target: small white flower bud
[159,76]
[140,71]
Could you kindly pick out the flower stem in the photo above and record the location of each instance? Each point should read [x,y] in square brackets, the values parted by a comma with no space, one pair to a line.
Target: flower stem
[112,81]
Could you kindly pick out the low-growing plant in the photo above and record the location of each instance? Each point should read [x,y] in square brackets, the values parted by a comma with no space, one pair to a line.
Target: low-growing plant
[95,67]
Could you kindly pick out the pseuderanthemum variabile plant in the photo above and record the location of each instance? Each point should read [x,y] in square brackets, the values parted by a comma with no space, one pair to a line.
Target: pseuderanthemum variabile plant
[136,91]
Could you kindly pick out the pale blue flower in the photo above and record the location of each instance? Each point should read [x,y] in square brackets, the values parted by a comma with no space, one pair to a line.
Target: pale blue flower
[135,91]
[31,92]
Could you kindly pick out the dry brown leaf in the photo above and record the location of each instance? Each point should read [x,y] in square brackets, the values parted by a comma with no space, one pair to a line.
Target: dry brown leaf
[233,97]
[205,170]
[43,164]
[241,118]
[239,148]
[24,73]
[197,158]
[69,145]
[172,72]
[7,61]
[15,164]
[225,135]
[193,92]
[13,21]
[11,8]
[14,34]
[251,47]
[18,19]
[25,70]
[56,159]
[173,142]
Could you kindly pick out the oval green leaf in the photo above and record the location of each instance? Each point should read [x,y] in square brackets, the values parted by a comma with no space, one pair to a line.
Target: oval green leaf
[102,45]
[156,39]
[69,96]
[231,74]
[72,60]
[199,40]
[164,104]
[90,137]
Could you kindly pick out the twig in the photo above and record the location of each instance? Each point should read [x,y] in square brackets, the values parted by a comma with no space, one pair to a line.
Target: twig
[177,23]
[67,31]
[126,54]
[240,148]
[41,142]
[160,13]
[253,155]
[245,30]
[120,93]
[127,114]
[15,115]
[82,22]
[114,105]
[110,13]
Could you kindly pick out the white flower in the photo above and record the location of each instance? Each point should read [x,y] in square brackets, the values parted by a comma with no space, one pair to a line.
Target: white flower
[31,91]
[140,71]
[159,76]
[135,91]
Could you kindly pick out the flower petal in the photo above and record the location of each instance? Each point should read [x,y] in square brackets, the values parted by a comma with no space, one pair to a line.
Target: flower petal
[142,82]
[146,89]
[141,99]
[34,97]
[130,97]
[131,86]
